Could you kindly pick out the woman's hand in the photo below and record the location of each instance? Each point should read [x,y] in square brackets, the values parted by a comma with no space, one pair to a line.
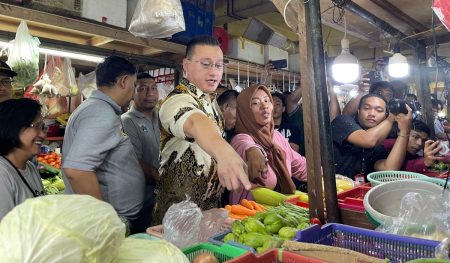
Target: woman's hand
[257,166]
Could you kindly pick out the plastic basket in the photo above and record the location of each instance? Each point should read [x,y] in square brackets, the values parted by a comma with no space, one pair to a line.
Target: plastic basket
[377,178]
[372,243]
[274,256]
[383,202]
[353,199]
[440,182]
[222,253]
[218,240]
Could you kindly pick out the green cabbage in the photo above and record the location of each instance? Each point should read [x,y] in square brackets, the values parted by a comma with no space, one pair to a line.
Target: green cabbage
[61,228]
[149,251]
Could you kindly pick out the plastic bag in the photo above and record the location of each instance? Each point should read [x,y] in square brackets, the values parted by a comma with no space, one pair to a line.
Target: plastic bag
[70,77]
[24,57]
[143,250]
[87,84]
[157,18]
[184,224]
[211,223]
[61,228]
[181,224]
[422,216]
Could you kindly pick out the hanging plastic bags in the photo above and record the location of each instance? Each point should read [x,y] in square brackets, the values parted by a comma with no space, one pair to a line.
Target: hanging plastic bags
[157,18]
[87,84]
[24,57]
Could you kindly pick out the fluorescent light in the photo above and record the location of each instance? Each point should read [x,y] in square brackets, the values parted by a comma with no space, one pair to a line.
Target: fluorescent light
[62,53]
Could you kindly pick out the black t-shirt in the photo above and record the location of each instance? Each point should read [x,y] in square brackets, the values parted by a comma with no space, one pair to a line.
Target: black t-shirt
[351,160]
[290,132]
[295,119]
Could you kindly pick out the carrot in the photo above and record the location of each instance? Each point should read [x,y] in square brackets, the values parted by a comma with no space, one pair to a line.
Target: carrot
[247,204]
[239,217]
[228,208]
[257,206]
[241,210]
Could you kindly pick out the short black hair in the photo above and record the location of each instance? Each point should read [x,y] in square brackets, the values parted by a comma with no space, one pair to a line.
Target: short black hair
[144,75]
[420,126]
[381,85]
[399,87]
[16,114]
[200,40]
[280,96]
[226,96]
[369,95]
[112,68]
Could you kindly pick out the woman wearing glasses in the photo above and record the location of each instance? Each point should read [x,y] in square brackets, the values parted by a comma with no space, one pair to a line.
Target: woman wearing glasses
[21,135]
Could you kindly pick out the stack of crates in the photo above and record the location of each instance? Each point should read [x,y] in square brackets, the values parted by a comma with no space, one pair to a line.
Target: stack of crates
[199,19]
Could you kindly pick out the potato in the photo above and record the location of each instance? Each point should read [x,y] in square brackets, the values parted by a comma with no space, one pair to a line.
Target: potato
[205,258]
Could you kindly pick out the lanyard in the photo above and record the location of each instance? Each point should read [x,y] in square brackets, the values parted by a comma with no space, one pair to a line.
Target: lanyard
[35,193]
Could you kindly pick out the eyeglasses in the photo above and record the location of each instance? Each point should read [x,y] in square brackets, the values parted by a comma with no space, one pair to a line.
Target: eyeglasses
[39,125]
[209,64]
[6,83]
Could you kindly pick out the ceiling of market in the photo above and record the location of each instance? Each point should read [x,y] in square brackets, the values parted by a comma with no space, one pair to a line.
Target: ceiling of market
[412,18]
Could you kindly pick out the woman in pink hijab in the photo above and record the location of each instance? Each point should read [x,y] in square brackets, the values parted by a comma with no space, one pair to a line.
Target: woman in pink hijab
[270,159]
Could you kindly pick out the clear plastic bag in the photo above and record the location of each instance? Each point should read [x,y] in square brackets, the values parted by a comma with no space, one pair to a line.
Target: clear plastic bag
[71,81]
[87,84]
[24,57]
[157,18]
[422,216]
[184,224]
[181,224]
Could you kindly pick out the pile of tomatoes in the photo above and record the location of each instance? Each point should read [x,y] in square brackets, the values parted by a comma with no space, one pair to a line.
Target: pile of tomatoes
[52,159]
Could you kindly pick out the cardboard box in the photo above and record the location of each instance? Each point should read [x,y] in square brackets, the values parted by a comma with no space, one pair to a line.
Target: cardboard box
[113,12]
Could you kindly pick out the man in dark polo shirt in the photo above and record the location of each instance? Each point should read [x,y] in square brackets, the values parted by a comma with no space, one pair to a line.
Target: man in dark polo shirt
[357,148]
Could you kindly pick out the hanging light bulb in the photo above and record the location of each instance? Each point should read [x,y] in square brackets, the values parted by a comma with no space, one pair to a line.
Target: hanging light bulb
[345,68]
[398,65]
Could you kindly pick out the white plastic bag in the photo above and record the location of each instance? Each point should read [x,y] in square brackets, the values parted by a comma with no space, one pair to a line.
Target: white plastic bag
[24,57]
[157,18]
[87,84]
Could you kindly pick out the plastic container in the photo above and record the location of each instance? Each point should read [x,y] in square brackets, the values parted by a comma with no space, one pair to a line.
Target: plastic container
[222,253]
[274,256]
[377,178]
[353,199]
[218,240]
[372,243]
[383,201]
[197,22]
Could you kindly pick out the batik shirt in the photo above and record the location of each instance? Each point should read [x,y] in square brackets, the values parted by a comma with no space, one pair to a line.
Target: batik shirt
[186,168]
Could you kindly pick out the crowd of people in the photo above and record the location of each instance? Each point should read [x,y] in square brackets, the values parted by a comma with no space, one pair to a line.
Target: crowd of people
[196,142]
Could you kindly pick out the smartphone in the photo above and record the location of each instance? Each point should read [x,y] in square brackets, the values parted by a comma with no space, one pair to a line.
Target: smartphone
[276,64]
[375,76]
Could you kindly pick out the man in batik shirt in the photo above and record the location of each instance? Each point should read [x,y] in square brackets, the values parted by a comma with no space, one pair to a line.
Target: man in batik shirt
[195,159]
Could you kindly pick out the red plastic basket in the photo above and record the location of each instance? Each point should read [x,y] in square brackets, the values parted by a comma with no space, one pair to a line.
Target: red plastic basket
[274,256]
[353,199]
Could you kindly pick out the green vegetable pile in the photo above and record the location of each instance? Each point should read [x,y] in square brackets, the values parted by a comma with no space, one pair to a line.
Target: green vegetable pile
[440,166]
[269,229]
[27,74]
[53,185]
